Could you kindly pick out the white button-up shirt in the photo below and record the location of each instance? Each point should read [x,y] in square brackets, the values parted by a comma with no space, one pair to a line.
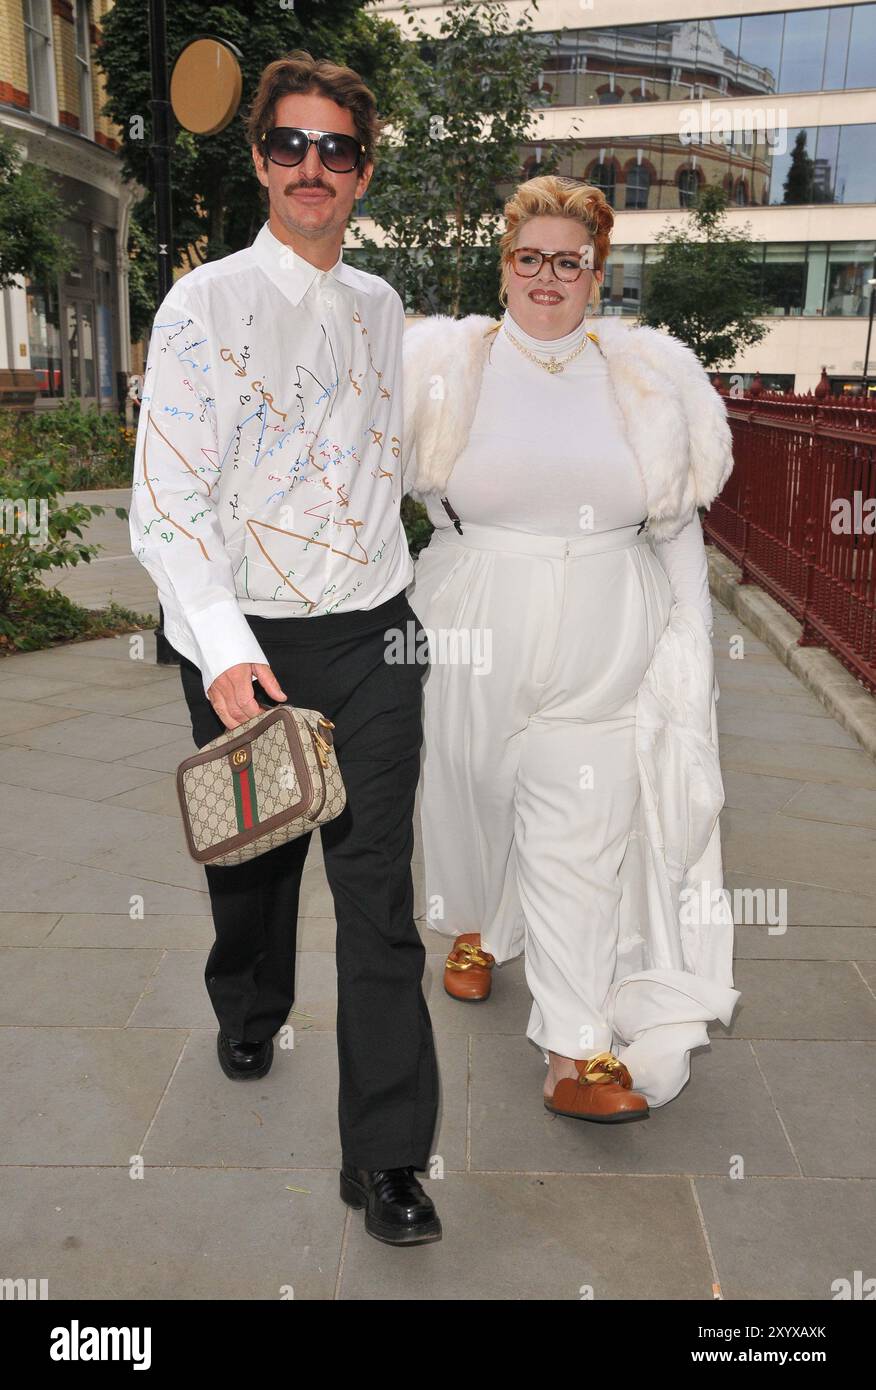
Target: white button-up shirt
[267,473]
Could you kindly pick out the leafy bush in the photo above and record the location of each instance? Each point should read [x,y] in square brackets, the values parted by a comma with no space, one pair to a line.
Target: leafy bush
[418,527]
[87,449]
[42,617]
[38,532]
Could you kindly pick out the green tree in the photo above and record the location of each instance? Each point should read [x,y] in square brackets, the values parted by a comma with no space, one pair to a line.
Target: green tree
[30,214]
[704,288]
[142,276]
[217,201]
[799,179]
[465,110]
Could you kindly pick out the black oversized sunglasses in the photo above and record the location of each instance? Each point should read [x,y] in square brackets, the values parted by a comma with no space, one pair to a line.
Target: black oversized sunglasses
[287,145]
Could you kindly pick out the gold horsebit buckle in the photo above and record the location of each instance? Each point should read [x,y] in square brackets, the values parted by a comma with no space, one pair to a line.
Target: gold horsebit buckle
[473,956]
[603,1068]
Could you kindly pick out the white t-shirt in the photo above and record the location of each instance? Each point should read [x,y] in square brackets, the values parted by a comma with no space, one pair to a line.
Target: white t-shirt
[547,453]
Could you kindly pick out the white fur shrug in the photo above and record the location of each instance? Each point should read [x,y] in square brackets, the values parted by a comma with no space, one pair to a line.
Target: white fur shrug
[675,420]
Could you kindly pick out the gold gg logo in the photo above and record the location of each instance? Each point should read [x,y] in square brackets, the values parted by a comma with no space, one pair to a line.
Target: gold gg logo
[238,757]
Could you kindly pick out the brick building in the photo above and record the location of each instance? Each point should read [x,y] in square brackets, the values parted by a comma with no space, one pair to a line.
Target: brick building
[70,338]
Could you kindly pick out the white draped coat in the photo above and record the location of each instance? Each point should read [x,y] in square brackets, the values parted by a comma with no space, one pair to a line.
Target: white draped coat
[674,969]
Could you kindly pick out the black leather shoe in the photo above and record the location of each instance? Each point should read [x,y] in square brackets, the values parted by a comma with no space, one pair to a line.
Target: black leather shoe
[397,1210]
[244,1060]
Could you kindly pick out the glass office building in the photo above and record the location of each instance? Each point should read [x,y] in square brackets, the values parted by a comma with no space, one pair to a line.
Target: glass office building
[777,106]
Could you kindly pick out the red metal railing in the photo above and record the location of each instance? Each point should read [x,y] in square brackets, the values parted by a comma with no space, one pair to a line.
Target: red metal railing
[798,462]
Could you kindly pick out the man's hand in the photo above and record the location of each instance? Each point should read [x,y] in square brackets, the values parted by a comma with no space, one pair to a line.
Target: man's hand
[231,693]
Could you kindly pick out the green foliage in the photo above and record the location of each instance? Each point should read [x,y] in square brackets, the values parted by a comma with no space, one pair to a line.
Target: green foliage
[87,449]
[704,288]
[48,535]
[37,617]
[418,527]
[465,108]
[30,214]
[142,273]
[41,617]
[218,205]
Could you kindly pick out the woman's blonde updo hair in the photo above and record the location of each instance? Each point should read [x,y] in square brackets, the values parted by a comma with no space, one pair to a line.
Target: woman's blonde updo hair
[551,195]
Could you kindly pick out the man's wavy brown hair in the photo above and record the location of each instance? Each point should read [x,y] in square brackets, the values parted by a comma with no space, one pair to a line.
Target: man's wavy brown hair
[299,71]
[551,195]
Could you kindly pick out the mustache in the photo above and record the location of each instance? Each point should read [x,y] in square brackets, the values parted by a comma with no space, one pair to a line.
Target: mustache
[301,183]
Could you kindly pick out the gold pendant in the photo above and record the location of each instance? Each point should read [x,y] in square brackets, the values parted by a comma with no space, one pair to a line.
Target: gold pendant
[554,365]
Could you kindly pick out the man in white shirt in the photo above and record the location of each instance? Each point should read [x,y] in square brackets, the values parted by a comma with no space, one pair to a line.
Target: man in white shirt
[265,505]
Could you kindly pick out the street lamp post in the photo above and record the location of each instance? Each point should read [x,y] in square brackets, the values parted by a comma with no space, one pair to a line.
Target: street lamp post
[159,151]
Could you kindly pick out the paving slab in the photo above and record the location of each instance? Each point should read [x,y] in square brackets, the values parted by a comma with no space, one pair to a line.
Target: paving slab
[788,1239]
[529,1236]
[82,1095]
[175,1233]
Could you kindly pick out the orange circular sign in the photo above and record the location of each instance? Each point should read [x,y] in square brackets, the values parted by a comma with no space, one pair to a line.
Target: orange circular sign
[205,86]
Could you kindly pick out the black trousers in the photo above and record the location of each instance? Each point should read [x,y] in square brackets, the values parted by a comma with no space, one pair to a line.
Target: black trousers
[335,663]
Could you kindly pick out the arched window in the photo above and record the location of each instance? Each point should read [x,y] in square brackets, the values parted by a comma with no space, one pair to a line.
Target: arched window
[638,186]
[688,187]
[603,176]
[740,193]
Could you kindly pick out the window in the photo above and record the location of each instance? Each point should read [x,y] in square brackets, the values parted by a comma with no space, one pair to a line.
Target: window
[760,52]
[861,71]
[40,70]
[849,268]
[80,345]
[603,176]
[688,187]
[803,51]
[726,33]
[83,67]
[826,164]
[81,274]
[854,164]
[793,173]
[105,337]
[837,49]
[816,259]
[44,336]
[638,186]
[622,288]
[784,278]
[830,48]
[794,277]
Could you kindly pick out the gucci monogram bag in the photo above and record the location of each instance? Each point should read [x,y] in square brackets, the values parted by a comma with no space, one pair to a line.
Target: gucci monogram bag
[271,779]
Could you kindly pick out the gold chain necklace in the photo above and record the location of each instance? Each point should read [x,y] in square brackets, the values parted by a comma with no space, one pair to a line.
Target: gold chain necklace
[554,364]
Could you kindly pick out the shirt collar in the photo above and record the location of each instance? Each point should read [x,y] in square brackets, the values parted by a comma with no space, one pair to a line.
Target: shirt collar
[293,274]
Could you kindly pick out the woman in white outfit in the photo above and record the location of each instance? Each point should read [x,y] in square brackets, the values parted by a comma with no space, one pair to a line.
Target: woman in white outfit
[570,786]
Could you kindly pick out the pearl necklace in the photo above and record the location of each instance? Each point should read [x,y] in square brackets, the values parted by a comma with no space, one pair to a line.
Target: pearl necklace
[554,364]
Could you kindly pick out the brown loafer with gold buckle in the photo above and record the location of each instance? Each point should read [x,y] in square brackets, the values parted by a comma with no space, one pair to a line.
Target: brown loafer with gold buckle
[602,1091]
[467,969]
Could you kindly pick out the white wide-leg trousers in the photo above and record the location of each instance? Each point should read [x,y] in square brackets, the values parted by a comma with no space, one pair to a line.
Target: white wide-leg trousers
[538,646]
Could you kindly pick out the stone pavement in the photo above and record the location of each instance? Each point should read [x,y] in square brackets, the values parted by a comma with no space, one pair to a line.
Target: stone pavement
[758,1179]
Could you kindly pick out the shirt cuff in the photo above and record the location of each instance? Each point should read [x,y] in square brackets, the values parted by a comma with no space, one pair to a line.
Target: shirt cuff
[223,638]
